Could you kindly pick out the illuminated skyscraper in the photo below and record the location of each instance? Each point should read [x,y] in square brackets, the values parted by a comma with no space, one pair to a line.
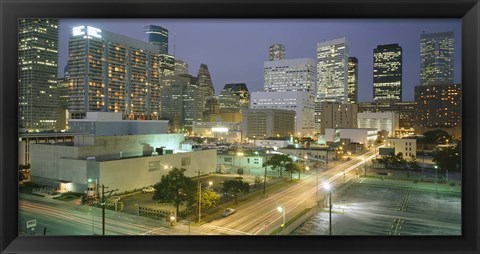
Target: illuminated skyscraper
[159,36]
[234,97]
[289,75]
[276,52]
[332,75]
[387,73]
[332,70]
[113,73]
[352,80]
[436,58]
[181,67]
[205,84]
[37,80]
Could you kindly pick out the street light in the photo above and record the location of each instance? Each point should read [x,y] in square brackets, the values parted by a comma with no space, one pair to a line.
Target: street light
[436,169]
[328,188]
[282,210]
[210,183]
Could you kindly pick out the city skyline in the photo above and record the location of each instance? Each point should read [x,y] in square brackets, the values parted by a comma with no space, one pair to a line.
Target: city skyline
[230,45]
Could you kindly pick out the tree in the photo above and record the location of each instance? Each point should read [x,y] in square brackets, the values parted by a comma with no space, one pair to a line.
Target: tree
[279,161]
[210,198]
[175,188]
[435,137]
[292,168]
[236,186]
[448,158]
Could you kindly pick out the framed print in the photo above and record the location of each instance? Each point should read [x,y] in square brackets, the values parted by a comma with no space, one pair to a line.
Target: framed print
[202,126]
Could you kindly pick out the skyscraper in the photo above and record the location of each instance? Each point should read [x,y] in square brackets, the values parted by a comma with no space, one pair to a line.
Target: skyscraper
[205,84]
[289,75]
[37,80]
[276,52]
[332,70]
[159,36]
[181,67]
[438,106]
[113,73]
[387,73]
[234,97]
[352,80]
[332,74]
[436,58]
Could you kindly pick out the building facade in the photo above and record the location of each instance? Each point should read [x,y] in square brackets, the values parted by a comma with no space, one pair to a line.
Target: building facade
[225,131]
[387,73]
[436,58]
[301,102]
[234,97]
[264,123]
[113,73]
[205,84]
[276,52]
[405,110]
[352,80]
[332,71]
[289,75]
[181,67]
[157,35]
[439,106]
[408,147]
[181,102]
[380,121]
[37,75]
[124,163]
[363,136]
[110,124]
[338,115]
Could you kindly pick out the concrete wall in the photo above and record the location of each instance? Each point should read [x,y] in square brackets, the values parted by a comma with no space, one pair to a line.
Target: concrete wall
[134,173]
[45,159]
[109,147]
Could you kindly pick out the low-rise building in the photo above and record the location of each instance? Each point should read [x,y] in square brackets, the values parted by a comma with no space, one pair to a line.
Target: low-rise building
[363,136]
[381,121]
[408,147]
[225,131]
[122,162]
[110,123]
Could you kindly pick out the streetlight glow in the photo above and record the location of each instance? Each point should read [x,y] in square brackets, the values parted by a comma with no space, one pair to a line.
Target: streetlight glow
[327,186]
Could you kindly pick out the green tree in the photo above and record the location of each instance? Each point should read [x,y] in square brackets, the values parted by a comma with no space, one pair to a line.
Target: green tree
[292,168]
[435,137]
[175,188]
[235,187]
[210,198]
[279,162]
[448,158]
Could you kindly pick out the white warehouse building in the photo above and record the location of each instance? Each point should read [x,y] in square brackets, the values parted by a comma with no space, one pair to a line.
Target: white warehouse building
[387,121]
[364,136]
[122,162]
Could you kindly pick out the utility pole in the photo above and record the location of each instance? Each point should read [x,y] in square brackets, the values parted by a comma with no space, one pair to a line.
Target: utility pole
[103,206]
[265,176]
[199,190]
[103,209]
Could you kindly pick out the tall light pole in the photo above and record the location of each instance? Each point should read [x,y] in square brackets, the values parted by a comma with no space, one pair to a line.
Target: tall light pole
[282,210]
[264,163]
[328,188]
[436,169]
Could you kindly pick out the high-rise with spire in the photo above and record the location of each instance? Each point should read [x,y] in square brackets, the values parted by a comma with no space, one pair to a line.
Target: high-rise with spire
[205,84]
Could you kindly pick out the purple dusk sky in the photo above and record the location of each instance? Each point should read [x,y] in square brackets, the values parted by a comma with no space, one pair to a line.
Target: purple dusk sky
[235,50]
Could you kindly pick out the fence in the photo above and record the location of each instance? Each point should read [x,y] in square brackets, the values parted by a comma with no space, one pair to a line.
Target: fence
[154,213]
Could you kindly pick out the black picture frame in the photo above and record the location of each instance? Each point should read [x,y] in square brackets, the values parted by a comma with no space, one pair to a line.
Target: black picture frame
[467,10]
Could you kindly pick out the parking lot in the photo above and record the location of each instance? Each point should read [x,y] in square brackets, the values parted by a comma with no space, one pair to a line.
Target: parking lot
[390,207]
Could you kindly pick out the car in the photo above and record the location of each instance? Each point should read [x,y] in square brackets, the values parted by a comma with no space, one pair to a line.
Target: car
[228,212]
[148,189]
